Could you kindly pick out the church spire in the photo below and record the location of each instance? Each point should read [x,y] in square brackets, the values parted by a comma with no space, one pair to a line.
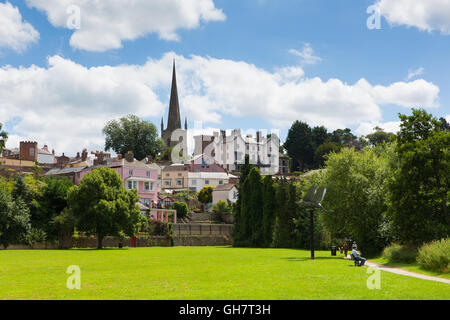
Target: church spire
[174,121]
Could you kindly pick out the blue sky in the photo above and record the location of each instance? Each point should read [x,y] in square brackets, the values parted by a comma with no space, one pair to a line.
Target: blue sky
[263,35]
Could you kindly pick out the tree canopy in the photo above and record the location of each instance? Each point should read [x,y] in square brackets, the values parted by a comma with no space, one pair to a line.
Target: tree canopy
[102,206]
[419,190]
[133,134]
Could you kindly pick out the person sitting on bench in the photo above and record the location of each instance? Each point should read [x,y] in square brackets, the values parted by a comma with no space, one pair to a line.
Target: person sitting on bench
[357,256]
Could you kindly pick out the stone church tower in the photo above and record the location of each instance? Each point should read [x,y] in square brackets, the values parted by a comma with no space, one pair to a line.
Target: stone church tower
[174,120]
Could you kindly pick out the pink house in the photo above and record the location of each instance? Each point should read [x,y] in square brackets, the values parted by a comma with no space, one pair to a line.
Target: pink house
[135,175]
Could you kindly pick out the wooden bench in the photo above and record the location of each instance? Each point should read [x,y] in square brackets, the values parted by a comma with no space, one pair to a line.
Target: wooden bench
[357,262]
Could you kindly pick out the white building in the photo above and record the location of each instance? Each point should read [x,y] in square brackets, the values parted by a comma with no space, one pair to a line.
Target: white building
[229,151]
[226,192]
[198,180]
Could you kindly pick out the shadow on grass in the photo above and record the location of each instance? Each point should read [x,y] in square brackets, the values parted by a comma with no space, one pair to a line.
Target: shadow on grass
[309,258]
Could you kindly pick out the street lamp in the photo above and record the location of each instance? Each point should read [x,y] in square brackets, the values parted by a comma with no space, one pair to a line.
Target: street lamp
[312,201]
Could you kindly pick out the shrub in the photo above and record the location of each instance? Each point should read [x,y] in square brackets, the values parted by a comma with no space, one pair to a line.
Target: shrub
[158,228]
[400,253]
[221,207]
[181,208]
[435,255]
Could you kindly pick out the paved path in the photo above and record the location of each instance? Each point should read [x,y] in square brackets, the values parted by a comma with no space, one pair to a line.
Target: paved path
[406,273]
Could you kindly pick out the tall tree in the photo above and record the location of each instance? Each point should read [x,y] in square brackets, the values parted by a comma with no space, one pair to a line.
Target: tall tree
[133,134]
[380,136]
[50,203]
[356,194]
[269,207]
[299,145]
[252,207]
[285,214]
[343,137]
[14,219]
[3,138]
[421,183]
[238,227]
[102,206]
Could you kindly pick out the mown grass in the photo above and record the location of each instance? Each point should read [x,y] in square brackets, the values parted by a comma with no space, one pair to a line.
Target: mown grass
[199,273]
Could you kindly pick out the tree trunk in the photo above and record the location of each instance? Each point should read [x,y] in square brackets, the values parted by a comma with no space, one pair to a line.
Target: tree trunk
[100,241]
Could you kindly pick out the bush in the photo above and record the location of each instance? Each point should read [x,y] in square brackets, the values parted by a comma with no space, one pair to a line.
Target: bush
[158,228]
[400,253]
[435,255]
[181,208]
[221,207]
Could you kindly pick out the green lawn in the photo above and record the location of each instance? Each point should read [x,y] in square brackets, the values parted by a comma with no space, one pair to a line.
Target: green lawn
[199,273]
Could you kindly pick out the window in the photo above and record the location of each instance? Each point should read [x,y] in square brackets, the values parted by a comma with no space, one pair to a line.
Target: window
[167,175]
[194,182]
[220,181]
[234,195]
[147,186]
[130,172]
[179,182]
[207,182]
[31,152]
[148,174]
[167,183]
[197,170]
[213,170]
[180,174]
[132,184]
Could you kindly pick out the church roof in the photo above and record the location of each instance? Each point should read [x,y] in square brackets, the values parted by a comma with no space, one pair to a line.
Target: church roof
[174,121]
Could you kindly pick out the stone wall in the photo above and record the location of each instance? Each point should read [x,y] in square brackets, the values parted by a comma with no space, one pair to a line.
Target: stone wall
[202,229]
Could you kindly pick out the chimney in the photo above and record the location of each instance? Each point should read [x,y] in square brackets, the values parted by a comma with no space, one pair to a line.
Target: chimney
[129,156]
[53,151]
[78,155]
[119,156]
[45,147]
[84,155]
[149,159]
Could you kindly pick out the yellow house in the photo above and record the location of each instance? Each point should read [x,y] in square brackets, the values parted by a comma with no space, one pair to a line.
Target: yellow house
[175,177]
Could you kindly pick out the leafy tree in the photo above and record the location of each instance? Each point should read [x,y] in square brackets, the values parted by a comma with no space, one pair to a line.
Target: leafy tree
[299,145]
[357,194]
[238,232]
[252,208]
[102,206]
[342,137]
[50,203]
[286,212]
[379,137]
[65,224]
[269,208]
[323,151]
[181,208]
[205,195]
[3,138]
[14,219]
[420,187]
[133,134]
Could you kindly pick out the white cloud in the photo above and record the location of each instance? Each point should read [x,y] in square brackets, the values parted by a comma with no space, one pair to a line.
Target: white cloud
[105,24]
[414,73]
[366,128]
[15,33]
[306,55]
[426,15]
[66,104]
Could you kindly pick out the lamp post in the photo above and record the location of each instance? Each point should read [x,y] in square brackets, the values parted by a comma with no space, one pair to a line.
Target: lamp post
[312,200]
